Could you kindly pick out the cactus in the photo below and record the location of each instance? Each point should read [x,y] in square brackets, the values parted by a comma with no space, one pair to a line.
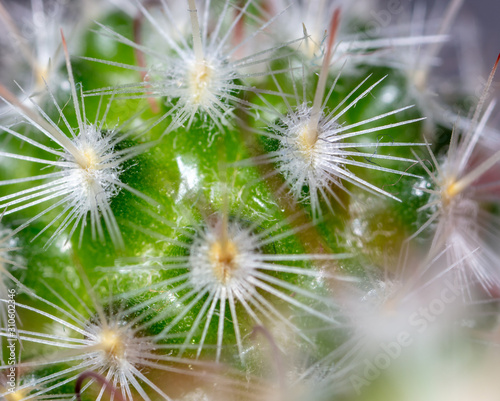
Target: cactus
[256,199]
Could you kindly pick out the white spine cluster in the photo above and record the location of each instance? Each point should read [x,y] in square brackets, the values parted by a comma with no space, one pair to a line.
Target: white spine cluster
[226,268]
[87,169]
[313,149]
[219,259]
[201,78]
[458,202]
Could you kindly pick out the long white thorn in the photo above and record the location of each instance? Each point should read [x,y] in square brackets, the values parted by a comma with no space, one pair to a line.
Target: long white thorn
[72,83]
[323,76]
[197,44]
